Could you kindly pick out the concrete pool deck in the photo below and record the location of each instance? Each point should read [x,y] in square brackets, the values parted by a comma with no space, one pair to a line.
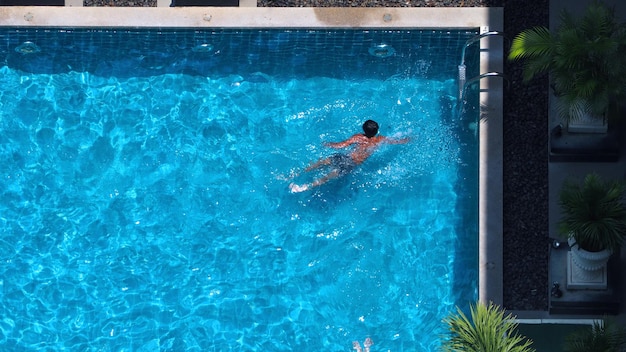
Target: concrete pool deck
[252,17]
[558,172]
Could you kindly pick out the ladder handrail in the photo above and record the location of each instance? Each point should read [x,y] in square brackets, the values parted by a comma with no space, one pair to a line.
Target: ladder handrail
[477,38]
[472,40]
[476,79]
[486,74]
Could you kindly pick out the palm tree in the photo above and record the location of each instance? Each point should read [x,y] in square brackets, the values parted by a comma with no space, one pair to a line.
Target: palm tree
[585,57]
[593,213]
[488,331]
[603,336]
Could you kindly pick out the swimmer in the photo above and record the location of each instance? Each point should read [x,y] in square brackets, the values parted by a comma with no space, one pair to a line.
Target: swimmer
[367,343]
[341,164]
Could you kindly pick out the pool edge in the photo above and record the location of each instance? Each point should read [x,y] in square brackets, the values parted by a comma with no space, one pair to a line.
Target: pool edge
[249,17]
[490,218]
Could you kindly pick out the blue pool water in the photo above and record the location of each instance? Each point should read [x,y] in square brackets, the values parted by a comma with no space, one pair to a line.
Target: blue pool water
[150,212]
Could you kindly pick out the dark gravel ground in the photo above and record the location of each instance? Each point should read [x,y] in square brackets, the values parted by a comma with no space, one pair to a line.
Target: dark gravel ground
[525,172]
[525,146]
[121,3]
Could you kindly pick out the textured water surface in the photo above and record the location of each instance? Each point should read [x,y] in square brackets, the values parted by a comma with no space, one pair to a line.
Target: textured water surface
[152,213]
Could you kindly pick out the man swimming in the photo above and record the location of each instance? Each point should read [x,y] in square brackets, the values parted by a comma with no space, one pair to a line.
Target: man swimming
[341,164]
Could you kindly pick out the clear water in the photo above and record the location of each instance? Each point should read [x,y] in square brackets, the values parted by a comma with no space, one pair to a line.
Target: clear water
[152,213]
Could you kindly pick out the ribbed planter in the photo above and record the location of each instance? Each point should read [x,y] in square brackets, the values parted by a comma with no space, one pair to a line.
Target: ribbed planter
[588,123]
[588,261]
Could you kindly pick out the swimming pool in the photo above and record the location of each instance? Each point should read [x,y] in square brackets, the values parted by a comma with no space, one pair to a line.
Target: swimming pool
[148,211]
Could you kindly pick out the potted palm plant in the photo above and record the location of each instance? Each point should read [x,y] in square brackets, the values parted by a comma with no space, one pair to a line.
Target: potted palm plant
[489,330]
[602,336]
[586,61]
[593,220]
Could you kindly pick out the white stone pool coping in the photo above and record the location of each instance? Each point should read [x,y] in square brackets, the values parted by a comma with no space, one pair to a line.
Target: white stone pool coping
[251,17]
[491,97]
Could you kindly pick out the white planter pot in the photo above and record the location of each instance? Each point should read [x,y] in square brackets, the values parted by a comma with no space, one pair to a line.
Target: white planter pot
[588,124]
[588,261]
[581,120]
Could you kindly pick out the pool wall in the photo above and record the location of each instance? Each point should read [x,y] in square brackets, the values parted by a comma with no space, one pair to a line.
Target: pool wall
[491,60]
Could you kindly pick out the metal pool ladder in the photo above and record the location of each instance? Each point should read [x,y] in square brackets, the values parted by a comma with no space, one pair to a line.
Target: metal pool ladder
[478,78]
[463,82]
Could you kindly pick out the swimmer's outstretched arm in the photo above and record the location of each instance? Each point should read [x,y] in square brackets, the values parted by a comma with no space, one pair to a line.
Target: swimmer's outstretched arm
[397,140]
[355,139]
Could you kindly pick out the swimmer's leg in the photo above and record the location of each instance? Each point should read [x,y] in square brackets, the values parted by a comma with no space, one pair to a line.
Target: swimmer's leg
[294,188]
[318,164]
[356,346]
[293,174]
[320,181]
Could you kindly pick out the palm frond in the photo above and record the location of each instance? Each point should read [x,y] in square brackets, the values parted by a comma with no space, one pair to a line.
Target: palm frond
[593,213]
[584,56]
[537,46]
[532,42]
[487,330]
[602,336]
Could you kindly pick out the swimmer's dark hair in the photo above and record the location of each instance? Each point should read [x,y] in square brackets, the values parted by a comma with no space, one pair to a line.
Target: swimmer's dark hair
[370,127]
